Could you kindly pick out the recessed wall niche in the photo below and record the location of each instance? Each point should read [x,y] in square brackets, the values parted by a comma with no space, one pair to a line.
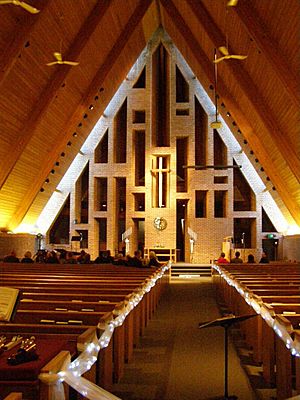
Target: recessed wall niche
[160,97]
[220,204]
[201,204]
[141,80]
[138,116]
[244,232]
[201,122]
[182,88]
[101,151]
[181,161]
[139,156]
[120,134]
[243,195]
[82,197]
[100,194]
[139,201]
[182,111]
[220,150]
[59,231]
[220,179]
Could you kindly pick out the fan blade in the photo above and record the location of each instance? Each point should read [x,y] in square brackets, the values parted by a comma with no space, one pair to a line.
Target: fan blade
[58,56]
[238,57]
[5,2]
[70,62]
[223,50]
[28,7]
[52,63]
[217,60]
[232,3]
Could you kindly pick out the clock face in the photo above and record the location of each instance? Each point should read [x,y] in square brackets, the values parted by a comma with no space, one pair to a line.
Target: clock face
[160,223]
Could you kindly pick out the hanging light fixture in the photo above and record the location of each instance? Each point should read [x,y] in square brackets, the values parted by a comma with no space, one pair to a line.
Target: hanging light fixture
[216,124]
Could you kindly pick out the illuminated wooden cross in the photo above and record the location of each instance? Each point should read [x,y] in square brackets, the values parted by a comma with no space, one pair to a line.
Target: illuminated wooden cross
[160,173]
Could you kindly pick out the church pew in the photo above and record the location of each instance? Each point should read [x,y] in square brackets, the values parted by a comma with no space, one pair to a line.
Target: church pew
[111,359]
[14,396]
[281,299]
[35,313]
[76,269]
[269,289]
[24,378]
[69,293]
[59,305]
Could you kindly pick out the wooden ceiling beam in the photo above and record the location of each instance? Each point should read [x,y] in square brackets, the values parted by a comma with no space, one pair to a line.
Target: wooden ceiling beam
[250,90]
[16,45]
[98,81]
[272,54]
[205,64]
[54,85]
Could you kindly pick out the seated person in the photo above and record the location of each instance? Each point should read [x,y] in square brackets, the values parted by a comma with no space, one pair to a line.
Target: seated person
[120,259]
[51,258]
[11,258]
[40,256]
[264,258]
[27,258]
[104,258]
[153,261]
[136,260]
[237,259]
[83,258]
[69,258]
[251,259]
[222,259]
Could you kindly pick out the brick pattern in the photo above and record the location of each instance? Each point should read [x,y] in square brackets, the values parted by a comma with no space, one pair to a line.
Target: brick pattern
[210,231]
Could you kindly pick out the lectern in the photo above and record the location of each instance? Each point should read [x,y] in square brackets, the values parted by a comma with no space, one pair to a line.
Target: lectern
[226,323]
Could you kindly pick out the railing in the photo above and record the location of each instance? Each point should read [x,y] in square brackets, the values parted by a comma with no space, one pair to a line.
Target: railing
[282,330]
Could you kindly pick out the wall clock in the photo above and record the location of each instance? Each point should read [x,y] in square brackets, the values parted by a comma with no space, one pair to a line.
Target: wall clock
[160,223]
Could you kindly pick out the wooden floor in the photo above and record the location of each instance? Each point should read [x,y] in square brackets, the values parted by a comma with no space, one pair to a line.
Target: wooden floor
[177,360]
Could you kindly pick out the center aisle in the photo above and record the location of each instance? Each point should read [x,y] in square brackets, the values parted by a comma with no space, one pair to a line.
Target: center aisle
[176,360]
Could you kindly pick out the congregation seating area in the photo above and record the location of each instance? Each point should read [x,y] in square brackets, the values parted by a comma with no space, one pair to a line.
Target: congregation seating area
[87,318]
[272,293]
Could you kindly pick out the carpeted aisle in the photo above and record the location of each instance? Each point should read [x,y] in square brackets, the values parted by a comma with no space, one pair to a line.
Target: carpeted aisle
[176,360]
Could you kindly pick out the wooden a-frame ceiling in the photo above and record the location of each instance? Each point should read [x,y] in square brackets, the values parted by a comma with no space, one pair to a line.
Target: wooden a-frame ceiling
[47,112]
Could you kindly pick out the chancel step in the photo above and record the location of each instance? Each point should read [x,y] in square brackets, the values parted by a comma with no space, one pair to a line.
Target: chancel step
[188,270]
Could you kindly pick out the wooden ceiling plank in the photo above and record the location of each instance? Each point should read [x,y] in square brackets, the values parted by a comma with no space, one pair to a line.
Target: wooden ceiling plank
[50,91]
[206,66]
[97,82]
[250,90]
[16,45]
[272,54]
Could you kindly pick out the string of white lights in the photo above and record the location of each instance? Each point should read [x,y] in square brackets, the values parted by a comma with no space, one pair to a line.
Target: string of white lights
[285,333]
[72,371]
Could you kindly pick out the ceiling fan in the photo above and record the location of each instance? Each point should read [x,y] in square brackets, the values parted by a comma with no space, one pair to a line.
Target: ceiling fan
[22,4]
[227,56]
[60,61]
[216,124]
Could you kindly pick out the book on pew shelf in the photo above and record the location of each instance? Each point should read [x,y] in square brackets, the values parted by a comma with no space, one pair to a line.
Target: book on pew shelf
[47,321]
[104,301]
[75,321]
[61,322]
[61,309]
[8,301]
[77,301]
[289,312]
[87,309]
